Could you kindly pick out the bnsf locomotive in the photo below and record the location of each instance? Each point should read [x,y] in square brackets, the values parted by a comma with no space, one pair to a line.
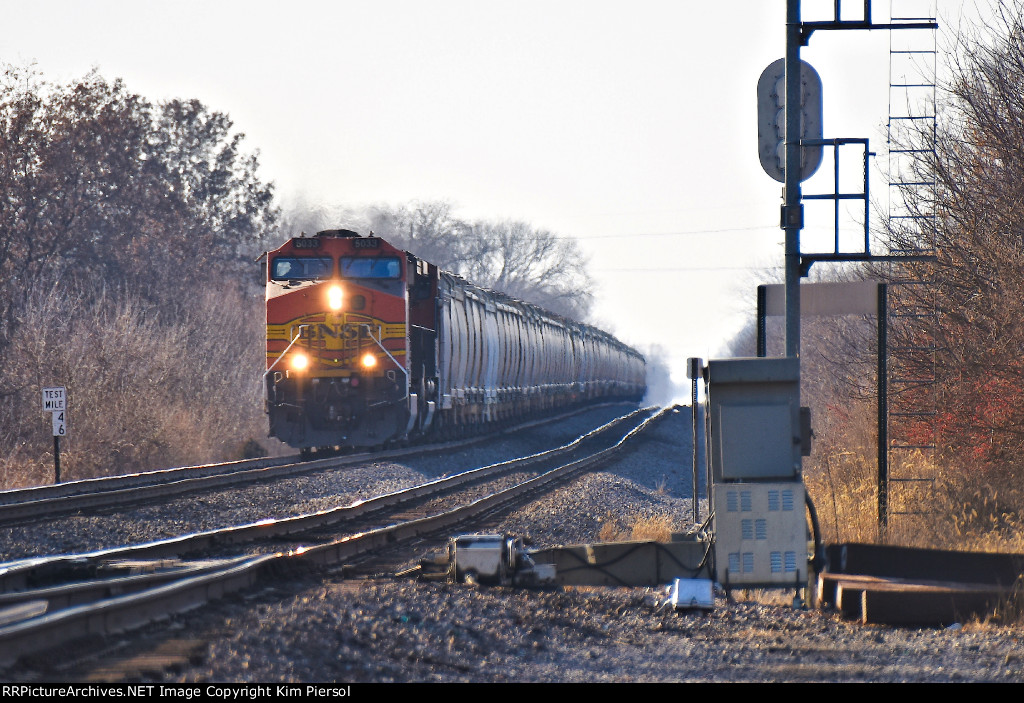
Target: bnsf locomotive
[367,343]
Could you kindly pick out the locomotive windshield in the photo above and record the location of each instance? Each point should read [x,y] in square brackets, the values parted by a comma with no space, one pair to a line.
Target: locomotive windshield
[290,268]
[367,267]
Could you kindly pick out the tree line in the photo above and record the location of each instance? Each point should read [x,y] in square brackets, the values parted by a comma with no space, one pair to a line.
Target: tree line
[510,256]
[101,185]
[975,221]
[128,232]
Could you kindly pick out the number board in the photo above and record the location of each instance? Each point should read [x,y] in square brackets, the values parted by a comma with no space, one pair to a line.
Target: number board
[60,423]
[306,243]
[366,243]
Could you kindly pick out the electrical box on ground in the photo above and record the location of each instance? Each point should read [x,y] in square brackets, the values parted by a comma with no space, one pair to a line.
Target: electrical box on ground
[692,594]
[754,419]
[487,558]
[760,534]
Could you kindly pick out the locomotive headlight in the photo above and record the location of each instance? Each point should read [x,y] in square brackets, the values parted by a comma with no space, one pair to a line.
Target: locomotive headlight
[369,361]
[300,362]
[334,297]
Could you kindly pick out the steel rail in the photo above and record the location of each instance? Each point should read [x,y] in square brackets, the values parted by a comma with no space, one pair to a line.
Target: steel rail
[127,612]
[42,502]
[38,494]
[17,575]
[135,610]
[67,595]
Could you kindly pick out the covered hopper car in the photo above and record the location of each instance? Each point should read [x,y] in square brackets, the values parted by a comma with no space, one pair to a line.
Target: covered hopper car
[367,343]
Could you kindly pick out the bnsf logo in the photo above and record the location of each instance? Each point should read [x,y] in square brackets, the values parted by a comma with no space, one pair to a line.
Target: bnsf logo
[322,331]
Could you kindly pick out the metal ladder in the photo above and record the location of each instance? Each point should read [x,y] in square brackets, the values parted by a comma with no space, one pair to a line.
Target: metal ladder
[913,316]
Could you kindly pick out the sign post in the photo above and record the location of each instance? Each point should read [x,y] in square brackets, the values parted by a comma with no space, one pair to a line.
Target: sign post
[55,401]
[694,371]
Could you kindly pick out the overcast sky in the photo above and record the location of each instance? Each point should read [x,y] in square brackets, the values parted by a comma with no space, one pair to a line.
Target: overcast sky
[629,126]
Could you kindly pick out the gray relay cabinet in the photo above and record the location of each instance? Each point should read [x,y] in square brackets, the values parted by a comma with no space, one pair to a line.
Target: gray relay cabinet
[754,416]
[760,534]
[755,445]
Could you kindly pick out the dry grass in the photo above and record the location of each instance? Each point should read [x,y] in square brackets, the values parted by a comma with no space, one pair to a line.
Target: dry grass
[955,507]
[146,389]
[657,528]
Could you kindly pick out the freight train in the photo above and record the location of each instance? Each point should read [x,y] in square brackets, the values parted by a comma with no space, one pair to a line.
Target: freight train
[368,344]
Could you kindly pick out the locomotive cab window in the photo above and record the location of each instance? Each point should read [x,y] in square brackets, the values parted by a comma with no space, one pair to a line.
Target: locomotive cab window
[371,267]
[304,268]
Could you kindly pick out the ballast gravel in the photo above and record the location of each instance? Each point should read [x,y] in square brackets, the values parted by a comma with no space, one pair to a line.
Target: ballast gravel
[323,628]
[307,493]
[390,630]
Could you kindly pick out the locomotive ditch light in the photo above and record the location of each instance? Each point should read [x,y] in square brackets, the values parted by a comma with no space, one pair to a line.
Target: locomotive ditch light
[369,360]
[300,362]
[335,297]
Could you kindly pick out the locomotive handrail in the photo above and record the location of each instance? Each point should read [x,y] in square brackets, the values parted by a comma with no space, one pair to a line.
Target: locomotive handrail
[290,345]
[383,349]
[412,417]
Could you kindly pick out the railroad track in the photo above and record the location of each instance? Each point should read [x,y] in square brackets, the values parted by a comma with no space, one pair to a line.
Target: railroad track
[39,503]
[151,580]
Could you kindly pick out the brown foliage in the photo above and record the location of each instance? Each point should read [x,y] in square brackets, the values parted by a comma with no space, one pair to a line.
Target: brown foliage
[956,511]
[102,187]
[145,390]
[972,220]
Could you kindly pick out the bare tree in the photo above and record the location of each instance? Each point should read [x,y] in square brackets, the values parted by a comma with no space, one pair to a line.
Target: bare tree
[427,229]
[531,264]
[124,227]
[510,256]
[975,220]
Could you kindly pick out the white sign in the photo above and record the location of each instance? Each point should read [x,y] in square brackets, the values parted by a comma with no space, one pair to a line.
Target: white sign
[60,426]
[55,399]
